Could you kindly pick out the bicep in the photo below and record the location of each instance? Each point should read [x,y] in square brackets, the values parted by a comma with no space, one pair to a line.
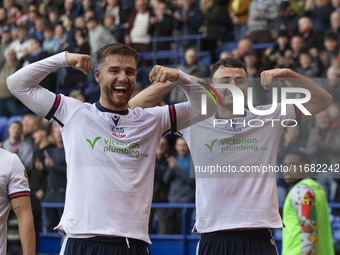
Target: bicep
[21,205]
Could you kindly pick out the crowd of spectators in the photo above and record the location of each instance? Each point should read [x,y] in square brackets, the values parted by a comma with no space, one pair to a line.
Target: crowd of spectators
[304,35]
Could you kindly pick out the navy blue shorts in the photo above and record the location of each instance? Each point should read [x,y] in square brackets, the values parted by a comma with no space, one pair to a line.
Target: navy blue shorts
[237,242]
[105,246]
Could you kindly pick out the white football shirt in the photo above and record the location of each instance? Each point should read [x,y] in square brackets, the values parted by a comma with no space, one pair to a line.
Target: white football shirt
[229,200]
[13,184]
[110,155]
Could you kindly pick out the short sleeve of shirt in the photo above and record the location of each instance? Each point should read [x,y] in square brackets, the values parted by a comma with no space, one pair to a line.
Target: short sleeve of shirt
[18,182]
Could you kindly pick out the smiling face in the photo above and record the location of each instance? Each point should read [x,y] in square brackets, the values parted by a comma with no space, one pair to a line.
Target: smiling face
[117,77]
[233,76]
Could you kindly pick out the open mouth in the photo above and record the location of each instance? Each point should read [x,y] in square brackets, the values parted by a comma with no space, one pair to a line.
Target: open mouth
[120,90]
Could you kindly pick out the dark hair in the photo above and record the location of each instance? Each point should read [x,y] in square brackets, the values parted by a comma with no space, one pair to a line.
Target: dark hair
[16,122]
[37,40]
[229,62]
[331,36]
[301,154]
[42,127]
[118,49]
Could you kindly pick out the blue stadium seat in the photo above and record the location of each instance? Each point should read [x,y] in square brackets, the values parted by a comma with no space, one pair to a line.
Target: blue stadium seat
[14,118]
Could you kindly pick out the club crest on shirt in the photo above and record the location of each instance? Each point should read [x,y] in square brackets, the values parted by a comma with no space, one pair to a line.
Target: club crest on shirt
[118,132]
[234,127]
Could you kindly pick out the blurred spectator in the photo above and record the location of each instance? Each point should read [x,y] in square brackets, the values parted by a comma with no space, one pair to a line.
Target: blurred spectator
[161,25]
[32,17]
[18,16]
[29,124]
[238,11]
[332,84]
[3,17]
[86,5]
[79,22]
[15,33]
[335,23]
[336,4]
[60,36]
[68,28]
[188,19]
[190,66]
[225,54]
[72,8]
[323,146]
[50,43]
[6,39]
[8,103]
[16,144]
[331,51]
[38,53]
[46,6]
[319,11]
[298,5]
[37,177]
[308,66]
[313,39]
[287,19]
[89,14]
[23,42]
[291,140]
[243,46]
[274,56]
[181,188]
[39,26]
[211,24]
[252,61]
[55,164]
[98,36]
[297,45]
[53,17]
[81,46]
[120,11]
[117,31]
[261,16]
[137,34]
[334,112]
[224,20]
[161,189]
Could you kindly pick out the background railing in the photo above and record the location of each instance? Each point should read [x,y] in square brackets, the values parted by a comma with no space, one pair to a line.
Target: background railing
[180,244]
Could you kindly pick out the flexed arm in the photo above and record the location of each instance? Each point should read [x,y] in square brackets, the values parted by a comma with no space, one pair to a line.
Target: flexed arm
[164,79]
[320,98]
[24,84]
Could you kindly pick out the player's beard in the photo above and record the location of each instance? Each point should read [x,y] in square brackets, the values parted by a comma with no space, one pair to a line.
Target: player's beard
[118,102]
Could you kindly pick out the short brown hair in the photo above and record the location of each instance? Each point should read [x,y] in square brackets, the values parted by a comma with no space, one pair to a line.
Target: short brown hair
[229,62]
[118,49]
